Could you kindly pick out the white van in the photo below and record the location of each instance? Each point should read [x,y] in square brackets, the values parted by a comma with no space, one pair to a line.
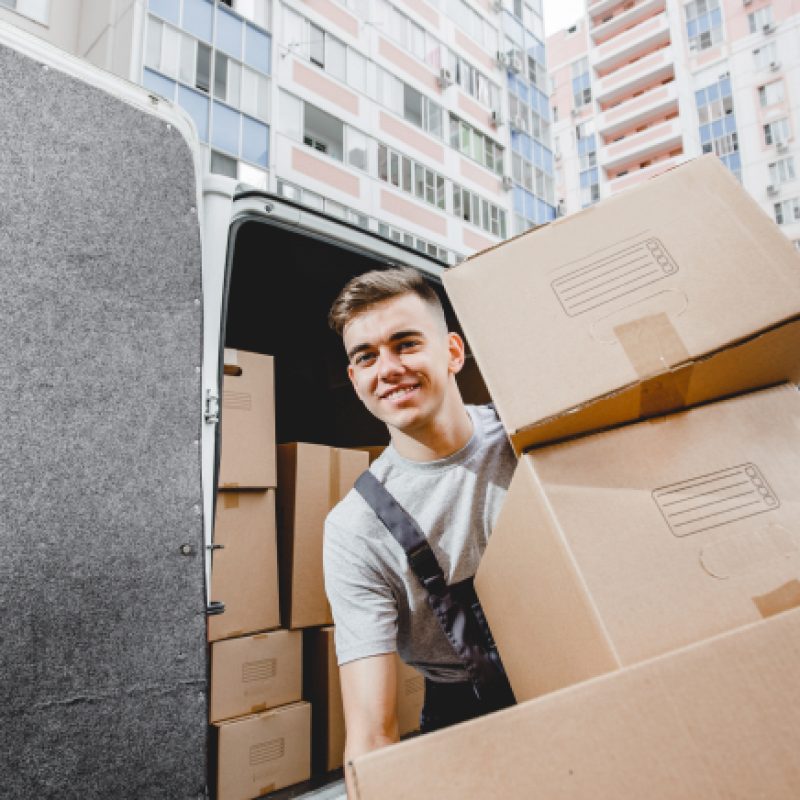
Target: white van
[123,276]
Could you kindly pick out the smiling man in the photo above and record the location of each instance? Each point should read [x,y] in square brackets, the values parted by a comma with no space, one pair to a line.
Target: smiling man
[448,466]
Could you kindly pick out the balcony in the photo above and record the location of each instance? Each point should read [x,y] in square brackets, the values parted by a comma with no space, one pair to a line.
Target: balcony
[642,11]
[597,8]
[631,179]
[650,34]
[643,74]
[655,102]
[655,141]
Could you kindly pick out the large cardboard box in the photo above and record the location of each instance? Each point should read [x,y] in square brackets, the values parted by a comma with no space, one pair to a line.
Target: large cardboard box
[255,673]
[322,687]
[678,291]
[312,480]
[247,459]
[244,572]
[263,752]
[718,719]
[623,545]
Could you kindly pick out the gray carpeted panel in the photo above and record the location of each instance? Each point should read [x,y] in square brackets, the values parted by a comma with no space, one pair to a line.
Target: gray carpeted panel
[102,637]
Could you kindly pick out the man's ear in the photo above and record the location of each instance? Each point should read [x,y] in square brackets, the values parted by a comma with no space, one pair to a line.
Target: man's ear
[351,375]
[457,350]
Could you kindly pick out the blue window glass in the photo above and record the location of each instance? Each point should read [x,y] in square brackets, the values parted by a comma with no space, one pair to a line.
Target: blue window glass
[705,133]
[585,179]
[527,146]
[513,29]
[519,200]
[197,106]
[717,128]
[530,206]
[225,134]
[712,92]
[548,161]
[735,161]
[716,18]
[725,87]
[257,49]
[700,97]
[522,91]
[229,33]
[730,123]
[516,141]
[198,18]
[166,9]
[159,84]
[255,142]
[691,29]
[538,159]
[540,55]
[704,23]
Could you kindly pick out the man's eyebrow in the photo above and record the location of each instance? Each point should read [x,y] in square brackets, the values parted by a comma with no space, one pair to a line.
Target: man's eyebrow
[393,338]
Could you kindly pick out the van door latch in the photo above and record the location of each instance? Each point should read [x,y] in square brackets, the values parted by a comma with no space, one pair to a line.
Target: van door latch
[211,415]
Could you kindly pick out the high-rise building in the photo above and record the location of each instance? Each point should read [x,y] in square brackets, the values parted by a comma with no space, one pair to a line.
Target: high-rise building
[427,121]
[641,85]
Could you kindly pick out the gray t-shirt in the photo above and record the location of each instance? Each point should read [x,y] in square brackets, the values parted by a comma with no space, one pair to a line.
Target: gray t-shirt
[378,604]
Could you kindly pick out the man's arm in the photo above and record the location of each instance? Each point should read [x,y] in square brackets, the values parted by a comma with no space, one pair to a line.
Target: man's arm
[369,695]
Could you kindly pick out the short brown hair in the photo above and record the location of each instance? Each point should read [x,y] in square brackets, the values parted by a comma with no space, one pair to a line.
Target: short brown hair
[376,286]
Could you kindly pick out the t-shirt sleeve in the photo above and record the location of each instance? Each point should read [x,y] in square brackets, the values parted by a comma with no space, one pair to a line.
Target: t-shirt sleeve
[363,605]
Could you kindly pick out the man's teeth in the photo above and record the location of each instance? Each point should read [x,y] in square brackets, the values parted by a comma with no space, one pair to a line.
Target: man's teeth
[399,392]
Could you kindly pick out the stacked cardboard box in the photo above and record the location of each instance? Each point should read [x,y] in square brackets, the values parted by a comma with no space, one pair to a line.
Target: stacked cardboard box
[627,534]
[261,728]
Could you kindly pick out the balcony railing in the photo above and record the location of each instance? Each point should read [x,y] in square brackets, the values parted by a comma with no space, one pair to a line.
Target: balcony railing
[652,142]
[649,34]
[643,10]
[642,74]
[632,178]
[656,101]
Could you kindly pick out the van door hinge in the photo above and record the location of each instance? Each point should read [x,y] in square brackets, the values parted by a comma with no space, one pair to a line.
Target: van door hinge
[212,407]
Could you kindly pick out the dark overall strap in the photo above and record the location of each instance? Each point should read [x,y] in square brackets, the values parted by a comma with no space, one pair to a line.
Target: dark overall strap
[405,530]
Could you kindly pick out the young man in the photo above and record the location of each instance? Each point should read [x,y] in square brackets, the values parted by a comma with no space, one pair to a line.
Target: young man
[448,465]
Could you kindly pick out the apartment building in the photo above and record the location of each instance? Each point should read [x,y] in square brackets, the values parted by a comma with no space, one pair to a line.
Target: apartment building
[427,121]
[641,85]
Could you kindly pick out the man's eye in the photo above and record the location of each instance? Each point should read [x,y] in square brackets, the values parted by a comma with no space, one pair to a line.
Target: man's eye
[408,344]
[364,358]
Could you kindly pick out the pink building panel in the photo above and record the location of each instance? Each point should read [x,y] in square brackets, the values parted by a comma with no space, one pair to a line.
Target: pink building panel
[324,87]
[478,175]
[635,70]
[407,209]
[321,170]
[473,109]
[477,53]
[422,9]
[626,38]
[708,56]
[642,175]
[631,106]
[336,14]
[564,48]
[562,97]
[638,139]
[399,130]
[736,24]
[475,242]
[411,66]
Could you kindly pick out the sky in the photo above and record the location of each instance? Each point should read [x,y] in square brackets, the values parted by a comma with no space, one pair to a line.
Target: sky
[559,14]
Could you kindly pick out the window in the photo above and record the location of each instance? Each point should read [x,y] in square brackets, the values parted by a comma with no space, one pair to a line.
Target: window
[581,83]
[478,211]
[760,19]
[223,165]
[718,133]
[703,24]
[357,153]
[788,211]
[770,93]
[589,174]
[765,56]
[776,132]
[323,132]
[781,171]
[476,145]
[410,176]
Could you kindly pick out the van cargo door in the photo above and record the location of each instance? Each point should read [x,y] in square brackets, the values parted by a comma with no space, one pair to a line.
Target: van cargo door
[102,639]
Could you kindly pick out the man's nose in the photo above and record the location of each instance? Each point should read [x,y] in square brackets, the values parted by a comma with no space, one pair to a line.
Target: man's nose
[389,363]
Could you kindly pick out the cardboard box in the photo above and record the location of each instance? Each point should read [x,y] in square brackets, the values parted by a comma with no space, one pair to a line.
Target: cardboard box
[255,673]
[244,573]
[676,292]
[263,752]
[717,719]
[312,480]
[322,687]
[247,459]
[624,545]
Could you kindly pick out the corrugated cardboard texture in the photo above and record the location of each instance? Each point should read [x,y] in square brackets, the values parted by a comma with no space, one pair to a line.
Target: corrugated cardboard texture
[264,752]
[312,480]
[103,641]
[623,545]
[255,673]
[718,719]
[248,422]
[623,294]
[244,572]
[322,687]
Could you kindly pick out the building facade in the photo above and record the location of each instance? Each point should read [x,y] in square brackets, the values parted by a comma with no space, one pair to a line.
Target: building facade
[641,85]
[427,121]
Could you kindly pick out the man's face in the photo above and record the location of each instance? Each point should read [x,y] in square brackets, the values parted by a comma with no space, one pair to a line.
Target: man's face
[401,359]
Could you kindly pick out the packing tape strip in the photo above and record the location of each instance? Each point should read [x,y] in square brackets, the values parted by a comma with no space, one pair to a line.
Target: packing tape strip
[653,346]
[334,478]
[781,599]
[230,500]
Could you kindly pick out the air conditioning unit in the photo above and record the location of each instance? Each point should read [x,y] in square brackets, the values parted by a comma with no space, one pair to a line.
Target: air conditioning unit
[502,59]
[497,6]
[747,2]
[508,184]
[514,61]
[768,28]
[774,65]
[574,112]
[561,209]
[445,78]
[497,118]
[782,147]
[772,190]
[518,122]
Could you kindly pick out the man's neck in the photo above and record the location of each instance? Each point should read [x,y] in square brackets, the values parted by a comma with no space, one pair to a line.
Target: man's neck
[445,435]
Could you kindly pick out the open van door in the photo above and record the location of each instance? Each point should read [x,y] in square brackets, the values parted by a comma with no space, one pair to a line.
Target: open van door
[102,649]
